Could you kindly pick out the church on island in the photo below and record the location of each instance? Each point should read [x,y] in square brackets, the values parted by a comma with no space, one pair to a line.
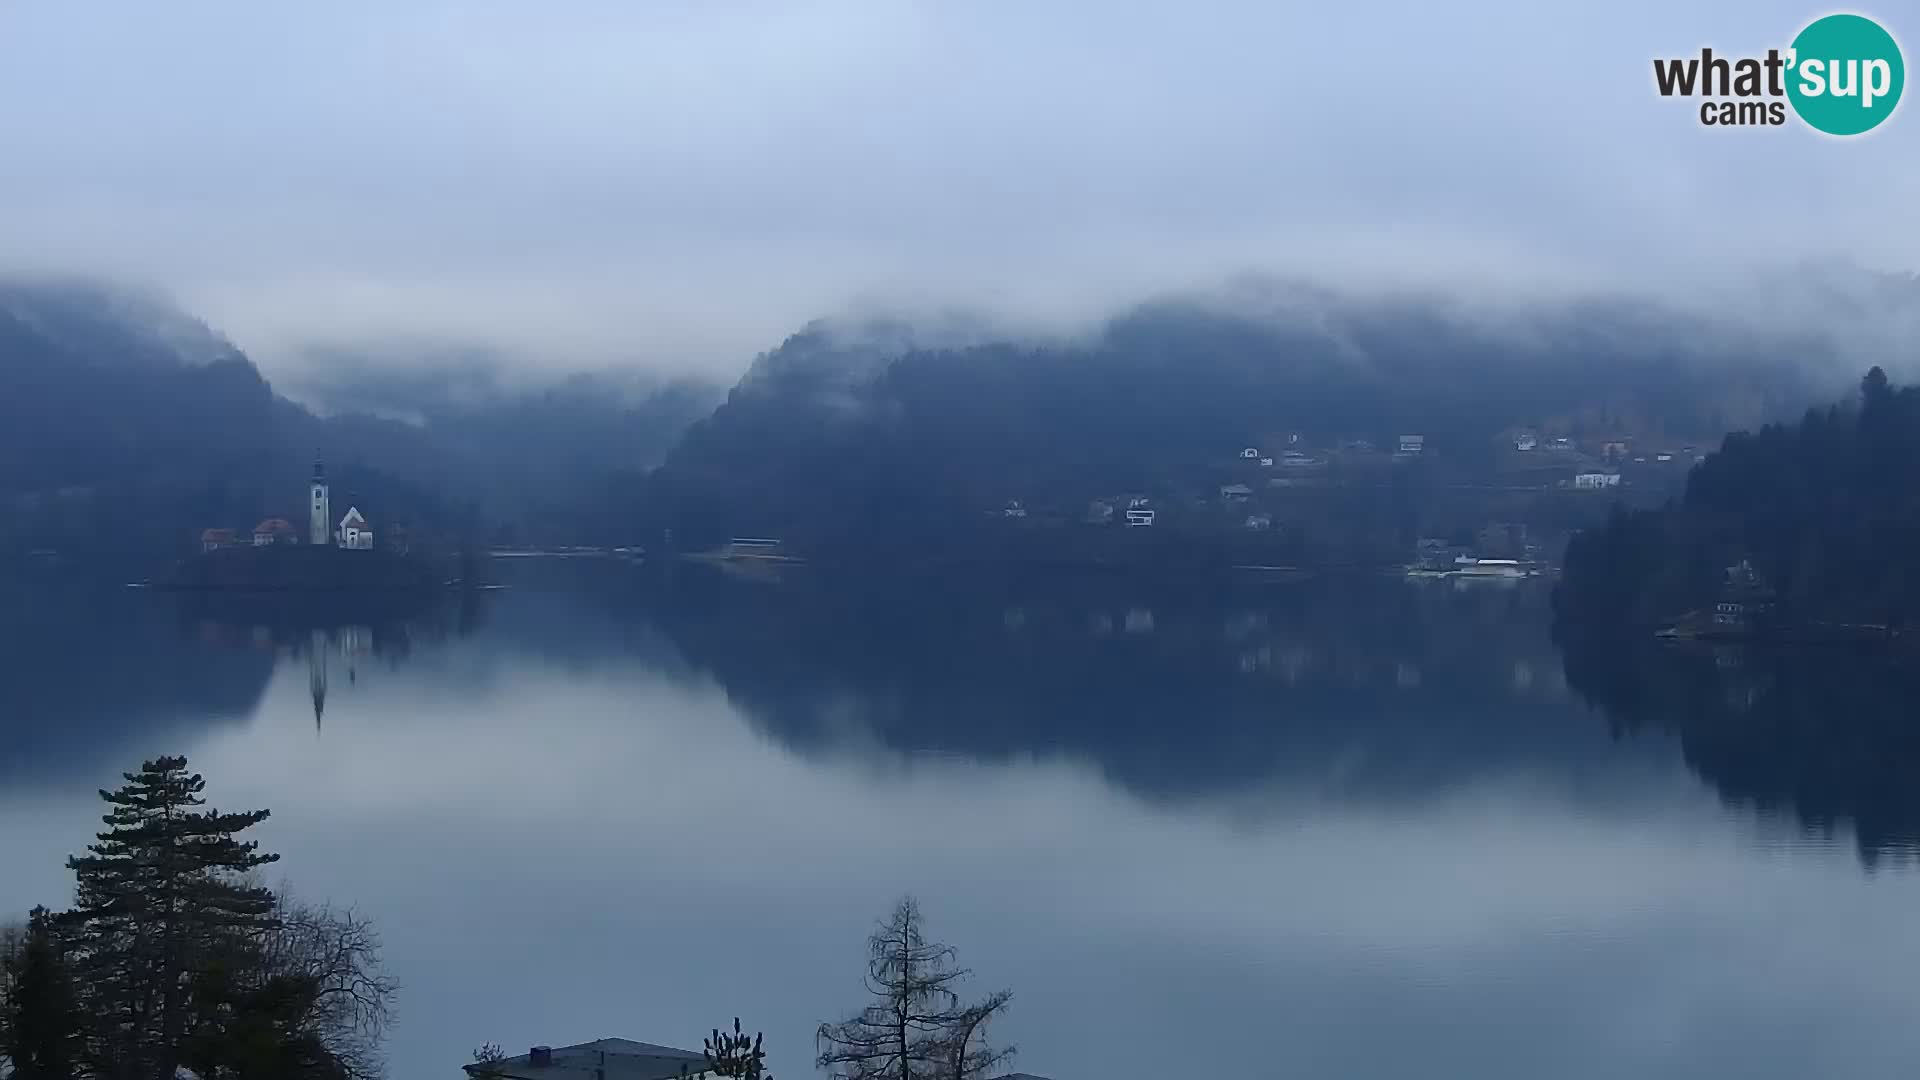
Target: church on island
[353,532]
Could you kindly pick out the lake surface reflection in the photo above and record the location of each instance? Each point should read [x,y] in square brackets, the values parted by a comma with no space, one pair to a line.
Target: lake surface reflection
[1380,829]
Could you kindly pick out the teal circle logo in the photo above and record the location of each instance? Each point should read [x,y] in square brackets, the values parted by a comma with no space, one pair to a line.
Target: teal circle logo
[1845,74]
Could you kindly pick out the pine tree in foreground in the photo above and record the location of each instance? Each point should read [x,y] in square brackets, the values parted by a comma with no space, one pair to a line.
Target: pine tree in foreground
[173,957]
[161,897]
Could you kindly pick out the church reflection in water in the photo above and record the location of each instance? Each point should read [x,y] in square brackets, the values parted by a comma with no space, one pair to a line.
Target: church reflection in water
[344,647]
[339,640]
[326,650]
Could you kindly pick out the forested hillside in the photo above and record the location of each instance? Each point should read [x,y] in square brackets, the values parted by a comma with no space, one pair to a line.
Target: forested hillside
[1827,511]
[832,439]
[126,427]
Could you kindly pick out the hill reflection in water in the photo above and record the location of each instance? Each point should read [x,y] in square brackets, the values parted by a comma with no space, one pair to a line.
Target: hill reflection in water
[1332,809]
[1366,688]
[1828,735]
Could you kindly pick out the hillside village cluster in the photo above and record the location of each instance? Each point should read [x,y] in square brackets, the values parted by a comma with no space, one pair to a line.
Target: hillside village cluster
[1407,503]
[1533,463]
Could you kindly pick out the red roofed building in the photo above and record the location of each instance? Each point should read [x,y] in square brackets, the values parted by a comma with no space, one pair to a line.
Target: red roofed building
[215,539]
[274,531]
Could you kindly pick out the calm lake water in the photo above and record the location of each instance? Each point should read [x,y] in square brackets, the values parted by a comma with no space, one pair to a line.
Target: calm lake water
[1373,829]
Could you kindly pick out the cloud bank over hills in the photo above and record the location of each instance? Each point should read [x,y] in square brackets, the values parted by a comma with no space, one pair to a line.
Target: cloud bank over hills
[674,188]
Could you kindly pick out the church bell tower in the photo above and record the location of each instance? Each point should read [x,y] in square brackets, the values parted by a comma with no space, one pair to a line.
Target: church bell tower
[320,532]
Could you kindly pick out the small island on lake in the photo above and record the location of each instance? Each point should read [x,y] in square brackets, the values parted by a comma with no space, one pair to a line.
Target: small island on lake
[329,555]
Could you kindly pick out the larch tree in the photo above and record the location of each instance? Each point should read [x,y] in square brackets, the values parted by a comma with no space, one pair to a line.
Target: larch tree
[969,1055]
[916,1027]
[162,897]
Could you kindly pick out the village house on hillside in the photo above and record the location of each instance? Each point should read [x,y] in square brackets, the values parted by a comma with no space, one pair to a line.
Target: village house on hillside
[1746,601]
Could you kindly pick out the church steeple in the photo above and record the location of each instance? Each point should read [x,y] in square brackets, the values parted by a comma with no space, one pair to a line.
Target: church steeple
[320,513]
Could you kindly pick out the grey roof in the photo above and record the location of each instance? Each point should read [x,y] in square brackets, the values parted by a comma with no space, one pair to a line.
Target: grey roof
[623,1059]
[1020,1076]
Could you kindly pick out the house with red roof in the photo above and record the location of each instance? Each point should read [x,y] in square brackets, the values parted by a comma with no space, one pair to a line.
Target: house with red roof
[274,531]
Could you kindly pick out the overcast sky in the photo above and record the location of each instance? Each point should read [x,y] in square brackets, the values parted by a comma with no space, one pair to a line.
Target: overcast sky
[679,185]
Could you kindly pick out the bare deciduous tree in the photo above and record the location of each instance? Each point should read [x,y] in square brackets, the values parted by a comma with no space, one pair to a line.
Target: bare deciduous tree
[338,949]
[916,1026]
[969,1054]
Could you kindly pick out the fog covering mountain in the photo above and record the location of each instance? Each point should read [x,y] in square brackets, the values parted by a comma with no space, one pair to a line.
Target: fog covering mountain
[126,426]
[121,420]
[548,461]
[856,432]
